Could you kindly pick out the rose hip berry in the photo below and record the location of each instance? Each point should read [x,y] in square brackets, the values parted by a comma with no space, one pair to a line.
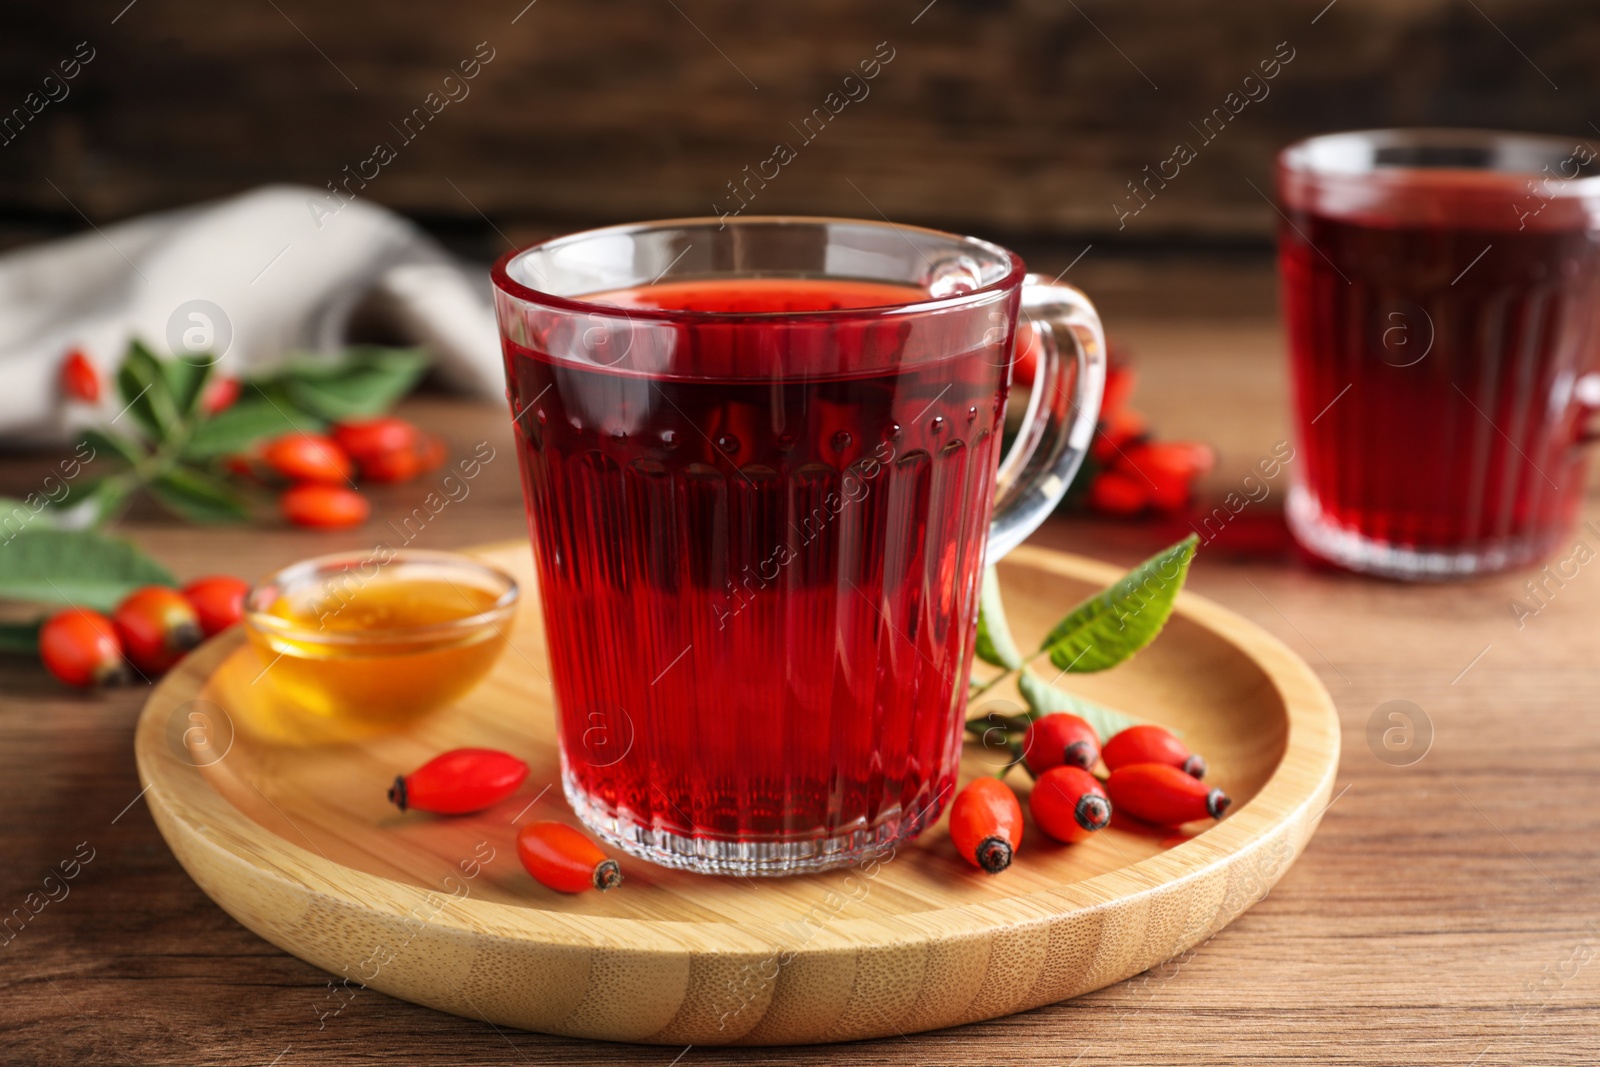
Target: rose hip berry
[1149,743]
[1163,795]
[432,453]
[986,824]
[326,507]
[390,468]
[218,601]
[365,439]
[81,648]
[1170,469]
[1060,739]
[308,457]
[459,782]
[220,395]
[79,379]
[1115,493]
[157,627]
[1068,804]
[563,859]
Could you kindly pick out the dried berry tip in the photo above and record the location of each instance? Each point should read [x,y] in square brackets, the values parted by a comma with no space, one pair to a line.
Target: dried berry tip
[1218,803]
[1195,767]
[1093,812]
[607,875]
[994,854]
[1079,754]
[397,792]
[184,636]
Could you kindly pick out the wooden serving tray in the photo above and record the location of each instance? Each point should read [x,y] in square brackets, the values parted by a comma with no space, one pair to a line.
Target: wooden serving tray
[299,844]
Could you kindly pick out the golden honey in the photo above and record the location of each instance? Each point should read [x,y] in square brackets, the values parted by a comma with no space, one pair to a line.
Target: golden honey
[351,655]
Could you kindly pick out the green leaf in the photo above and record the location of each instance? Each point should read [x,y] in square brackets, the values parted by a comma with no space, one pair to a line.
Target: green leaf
[364,381]
[187,381]
[20,638]
[995,644]
[107,444]
[198,496]
[18,515]
[249,420]
[146,393]
[74,567]
[1112,625]
[1045,699]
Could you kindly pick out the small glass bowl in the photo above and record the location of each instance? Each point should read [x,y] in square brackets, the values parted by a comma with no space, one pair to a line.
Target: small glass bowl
[357,644]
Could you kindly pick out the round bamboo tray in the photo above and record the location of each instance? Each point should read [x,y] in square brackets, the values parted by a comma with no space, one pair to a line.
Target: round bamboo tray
[297,841]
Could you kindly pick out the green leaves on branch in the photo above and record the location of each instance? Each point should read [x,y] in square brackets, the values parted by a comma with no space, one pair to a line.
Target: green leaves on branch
[249,420]
[170,445]
[1101,632]
[1045,699]
[364,381]
[994,642]
[198,496]
[20,638]
[77,567]
[1112,625]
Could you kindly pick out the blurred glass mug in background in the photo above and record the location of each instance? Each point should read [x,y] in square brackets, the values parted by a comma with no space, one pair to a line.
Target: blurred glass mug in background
[760,464]
[1441,290]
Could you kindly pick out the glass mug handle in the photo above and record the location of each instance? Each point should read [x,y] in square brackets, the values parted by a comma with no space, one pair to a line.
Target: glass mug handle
[1058,425]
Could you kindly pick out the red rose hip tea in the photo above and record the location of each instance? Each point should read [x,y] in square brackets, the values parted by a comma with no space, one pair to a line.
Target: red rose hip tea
[1441,289]
[759,461]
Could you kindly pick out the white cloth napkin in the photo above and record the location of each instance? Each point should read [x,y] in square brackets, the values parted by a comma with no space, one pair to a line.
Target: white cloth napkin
[263,273]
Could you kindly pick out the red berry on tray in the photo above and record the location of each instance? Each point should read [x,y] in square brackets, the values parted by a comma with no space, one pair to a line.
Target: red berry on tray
[986,824]
[82,649]
[1164,795]
[1149,743]
[1069,804]
[1060,739]
[563,859]
[157,627]
[459,782]
[218,601]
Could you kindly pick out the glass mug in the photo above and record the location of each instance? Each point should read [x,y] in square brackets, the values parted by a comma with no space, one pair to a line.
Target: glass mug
[759,458]
[1441,289]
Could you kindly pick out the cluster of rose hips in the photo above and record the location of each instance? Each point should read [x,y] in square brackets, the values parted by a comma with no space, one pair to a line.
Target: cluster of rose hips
[81,381]
[317,471]
[151,629]
[465,781]
[321,468]
[1128,472]
[1152,776]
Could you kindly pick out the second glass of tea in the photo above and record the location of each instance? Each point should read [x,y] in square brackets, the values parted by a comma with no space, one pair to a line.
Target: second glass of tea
[760,462]
[1442,294]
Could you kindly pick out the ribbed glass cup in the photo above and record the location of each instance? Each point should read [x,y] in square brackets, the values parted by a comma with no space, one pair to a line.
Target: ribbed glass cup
[1442,296]
[760,465]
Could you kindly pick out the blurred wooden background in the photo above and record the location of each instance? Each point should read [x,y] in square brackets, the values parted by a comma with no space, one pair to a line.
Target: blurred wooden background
[1018,119]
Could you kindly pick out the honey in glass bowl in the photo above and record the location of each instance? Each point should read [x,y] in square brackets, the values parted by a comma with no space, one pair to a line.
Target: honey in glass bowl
[354,645]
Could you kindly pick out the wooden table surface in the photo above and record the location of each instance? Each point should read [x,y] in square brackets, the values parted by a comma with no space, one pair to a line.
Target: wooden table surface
[1446,912]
